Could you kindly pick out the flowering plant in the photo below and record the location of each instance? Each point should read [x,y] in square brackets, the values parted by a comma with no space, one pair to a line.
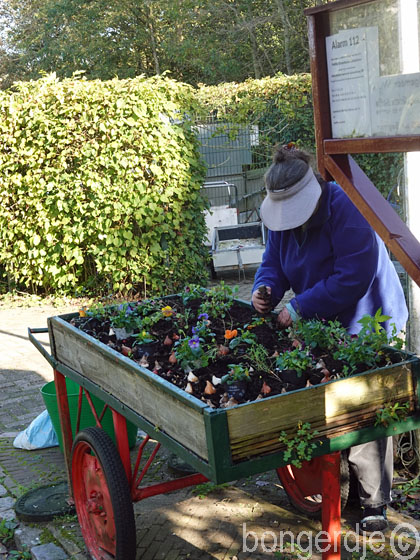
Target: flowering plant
[202,326]
[124,318]
[192,353]
[229,334]
[167,311]
[144,337]
[241,337]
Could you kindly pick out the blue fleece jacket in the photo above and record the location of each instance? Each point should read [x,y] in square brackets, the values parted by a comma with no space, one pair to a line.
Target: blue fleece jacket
[338,267]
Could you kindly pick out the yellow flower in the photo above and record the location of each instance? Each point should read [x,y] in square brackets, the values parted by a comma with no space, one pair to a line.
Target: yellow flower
[167,311]
[82,312]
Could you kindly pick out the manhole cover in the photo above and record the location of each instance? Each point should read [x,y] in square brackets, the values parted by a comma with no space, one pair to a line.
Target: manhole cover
[44,503]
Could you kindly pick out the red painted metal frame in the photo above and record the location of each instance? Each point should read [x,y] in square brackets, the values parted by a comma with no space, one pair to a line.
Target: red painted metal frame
[64,415]
[331,506]
[120,428]
[328,484]
[320,475]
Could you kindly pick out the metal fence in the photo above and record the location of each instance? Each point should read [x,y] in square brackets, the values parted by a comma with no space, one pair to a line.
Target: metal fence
[236,157]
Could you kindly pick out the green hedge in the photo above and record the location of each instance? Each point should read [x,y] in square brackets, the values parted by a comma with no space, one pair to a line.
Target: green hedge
[99,186]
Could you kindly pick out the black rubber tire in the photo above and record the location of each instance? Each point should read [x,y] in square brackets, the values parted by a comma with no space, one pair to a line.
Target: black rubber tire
[102,446]
[344,491]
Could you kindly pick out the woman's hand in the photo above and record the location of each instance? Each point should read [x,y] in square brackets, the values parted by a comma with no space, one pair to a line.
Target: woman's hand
[261,299]
[284,318]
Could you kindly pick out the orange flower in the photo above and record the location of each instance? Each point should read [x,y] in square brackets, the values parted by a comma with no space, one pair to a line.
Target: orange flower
[230,334]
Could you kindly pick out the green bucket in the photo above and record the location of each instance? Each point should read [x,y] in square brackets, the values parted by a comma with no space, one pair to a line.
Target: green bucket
[87,419]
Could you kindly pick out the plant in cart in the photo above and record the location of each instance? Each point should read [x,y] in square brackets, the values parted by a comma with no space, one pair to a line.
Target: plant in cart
[293,364]
[192,353]
[123,321]
[236,381]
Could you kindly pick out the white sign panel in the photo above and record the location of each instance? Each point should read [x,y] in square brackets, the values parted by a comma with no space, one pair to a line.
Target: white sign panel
[395,105]
[352,59]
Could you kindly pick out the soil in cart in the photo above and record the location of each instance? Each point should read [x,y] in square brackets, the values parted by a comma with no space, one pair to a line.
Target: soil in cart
[221,351]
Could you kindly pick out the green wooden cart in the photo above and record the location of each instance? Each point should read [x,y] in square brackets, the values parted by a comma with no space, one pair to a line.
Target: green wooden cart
[222,444]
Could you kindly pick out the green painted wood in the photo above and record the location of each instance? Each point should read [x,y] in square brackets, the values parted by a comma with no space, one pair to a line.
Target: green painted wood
[218,445]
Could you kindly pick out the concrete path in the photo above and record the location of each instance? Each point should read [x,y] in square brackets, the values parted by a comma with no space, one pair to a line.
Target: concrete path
[248,519]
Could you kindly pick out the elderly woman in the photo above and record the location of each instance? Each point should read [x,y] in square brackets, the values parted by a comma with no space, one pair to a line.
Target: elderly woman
[321,247]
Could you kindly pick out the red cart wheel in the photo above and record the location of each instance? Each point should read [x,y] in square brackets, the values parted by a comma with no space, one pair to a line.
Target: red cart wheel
[102,497]
[303,486]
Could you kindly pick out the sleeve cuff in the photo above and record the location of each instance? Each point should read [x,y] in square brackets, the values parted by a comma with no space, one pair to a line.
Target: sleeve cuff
[293,313]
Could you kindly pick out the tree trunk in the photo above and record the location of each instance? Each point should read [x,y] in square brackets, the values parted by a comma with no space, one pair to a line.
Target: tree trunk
[153,40]
[285,23]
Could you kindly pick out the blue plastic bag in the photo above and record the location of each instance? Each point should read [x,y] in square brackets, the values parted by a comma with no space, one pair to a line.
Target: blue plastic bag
[39,434]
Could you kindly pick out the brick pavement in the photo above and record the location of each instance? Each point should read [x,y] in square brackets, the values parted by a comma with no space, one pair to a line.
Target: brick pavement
[173,526]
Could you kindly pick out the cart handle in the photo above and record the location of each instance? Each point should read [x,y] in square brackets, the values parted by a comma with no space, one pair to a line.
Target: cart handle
[39,346]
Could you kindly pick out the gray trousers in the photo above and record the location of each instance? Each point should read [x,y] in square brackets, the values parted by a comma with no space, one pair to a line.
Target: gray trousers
[373,465]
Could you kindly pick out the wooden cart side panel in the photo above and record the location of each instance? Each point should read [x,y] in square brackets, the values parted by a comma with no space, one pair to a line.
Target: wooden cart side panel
[334,409]
[182,423]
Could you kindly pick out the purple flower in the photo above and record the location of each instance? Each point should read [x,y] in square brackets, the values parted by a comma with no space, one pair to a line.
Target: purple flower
[194,343]
[126,308]
[203,316]
[195,330]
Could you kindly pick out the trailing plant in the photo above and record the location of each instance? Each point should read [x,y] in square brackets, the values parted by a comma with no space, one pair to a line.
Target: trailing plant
[392,413]
[299,447]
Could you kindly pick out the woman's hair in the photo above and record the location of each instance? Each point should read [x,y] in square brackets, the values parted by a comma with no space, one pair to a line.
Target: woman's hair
[289,166]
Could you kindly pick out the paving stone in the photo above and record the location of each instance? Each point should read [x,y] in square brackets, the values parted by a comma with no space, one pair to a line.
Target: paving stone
[48,551]
[3,490]
[6,503]
[27,536]
[7,515]
[64,535]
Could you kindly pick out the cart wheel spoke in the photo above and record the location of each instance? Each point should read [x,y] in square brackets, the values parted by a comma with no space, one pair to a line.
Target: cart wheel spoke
[303,486]
[102,497]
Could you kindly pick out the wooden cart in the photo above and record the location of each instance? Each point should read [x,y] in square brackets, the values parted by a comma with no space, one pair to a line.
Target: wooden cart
[222,444]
